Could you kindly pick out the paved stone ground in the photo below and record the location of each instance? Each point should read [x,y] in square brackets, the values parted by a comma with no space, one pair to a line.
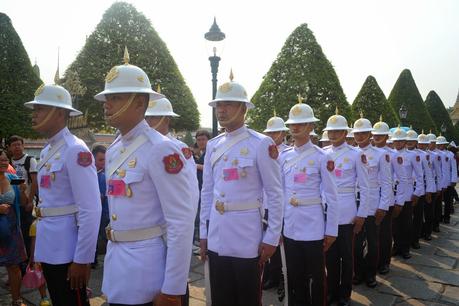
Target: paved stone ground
[430,277]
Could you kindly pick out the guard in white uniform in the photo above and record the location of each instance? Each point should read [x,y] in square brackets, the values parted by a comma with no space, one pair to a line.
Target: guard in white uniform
[449,168]
[69,208]
[410,187]
[437,162]
[377,162]
[149,192]
[351,176]
[272,275]
[381,134]
[324,141]
[430,172]
[429,187]
[158,116]
[239,167]
[308,174]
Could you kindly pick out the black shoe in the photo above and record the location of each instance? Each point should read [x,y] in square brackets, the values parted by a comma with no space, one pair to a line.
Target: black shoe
[446,221]
[428,237]
[436,229]
[344,302]
[406,255]
[356,280]
[384,270]
[395,252]
[270,284]
[415,245]
[371,282]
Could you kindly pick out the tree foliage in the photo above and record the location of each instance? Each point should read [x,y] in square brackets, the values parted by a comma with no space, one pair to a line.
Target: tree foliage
[373,103]
[300,68]
[18,82]
[440,115]
[406,92]
[122,25]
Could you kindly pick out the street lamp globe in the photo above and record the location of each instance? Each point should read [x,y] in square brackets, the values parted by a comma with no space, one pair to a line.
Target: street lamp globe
[403,112]
[443,128]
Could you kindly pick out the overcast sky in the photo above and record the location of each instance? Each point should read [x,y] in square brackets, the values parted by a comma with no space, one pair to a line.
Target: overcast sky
[359,38]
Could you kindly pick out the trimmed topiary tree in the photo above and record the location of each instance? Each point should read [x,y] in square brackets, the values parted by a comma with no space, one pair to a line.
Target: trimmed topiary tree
[373,103]
[18,83]
[406,92]
[440,115]
[300,68]
[122,25]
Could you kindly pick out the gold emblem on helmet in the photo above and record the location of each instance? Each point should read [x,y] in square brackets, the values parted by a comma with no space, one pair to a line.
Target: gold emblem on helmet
[140,79]
[359,123]
[296,110]
[333,119]
[226,87]
[111,75]
[271,122]
[39,89]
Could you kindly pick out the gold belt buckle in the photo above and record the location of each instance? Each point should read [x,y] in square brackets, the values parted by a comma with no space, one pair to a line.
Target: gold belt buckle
[294,202]
[38,212]
[108,233]
[220,206]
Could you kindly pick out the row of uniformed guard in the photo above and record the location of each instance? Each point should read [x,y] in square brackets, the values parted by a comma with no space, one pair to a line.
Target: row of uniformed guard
[251,194]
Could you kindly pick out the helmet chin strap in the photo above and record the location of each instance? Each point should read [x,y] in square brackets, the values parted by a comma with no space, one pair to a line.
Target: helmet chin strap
[47,118]
[232,119]
[122,109]
[301,132]
[159,123]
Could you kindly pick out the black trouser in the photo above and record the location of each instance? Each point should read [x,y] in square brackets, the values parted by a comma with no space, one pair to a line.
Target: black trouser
[418,219]
[59,287]
[26,221]
[365,266]
[429,216]
[234,281]
[403,226]
[340,264]
[273,268]
[305,272]
[438,210]
[146,304]
[385,239]
[448,203]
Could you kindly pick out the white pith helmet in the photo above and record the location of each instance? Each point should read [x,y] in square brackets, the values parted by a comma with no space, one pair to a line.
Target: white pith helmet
[411,135]
[231,92]
[161,107]
[275,124]
[381,128]
[301,113]
[362,125]
[53,95]
[441,140]
[423,138]
[324,136]
[336,123]
[127,79]
[398,134]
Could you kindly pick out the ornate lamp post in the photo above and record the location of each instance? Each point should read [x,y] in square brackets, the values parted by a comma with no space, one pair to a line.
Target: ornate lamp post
[402,112]
[443,128]
[214,36]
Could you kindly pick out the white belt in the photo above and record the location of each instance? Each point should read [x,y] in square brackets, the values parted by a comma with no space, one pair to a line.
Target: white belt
[305,202]
[42,212]
[346,190]
[133,235]
[221,207]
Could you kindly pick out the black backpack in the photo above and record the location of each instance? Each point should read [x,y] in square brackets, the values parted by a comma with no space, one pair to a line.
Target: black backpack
[27,169]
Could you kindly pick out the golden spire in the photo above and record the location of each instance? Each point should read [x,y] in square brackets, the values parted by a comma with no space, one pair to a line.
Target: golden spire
[126,56]
[336,110]
[158,88]
[361,114]
[380,118]
[56,76]
[411,127]
[430,132]
[422,131]
[300,98]
[231,76]
[275,115]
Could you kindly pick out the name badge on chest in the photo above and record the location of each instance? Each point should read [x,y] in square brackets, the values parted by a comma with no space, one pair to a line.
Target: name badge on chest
[230,174]
[299,178]
[338,172]
[45,181]
[116,188]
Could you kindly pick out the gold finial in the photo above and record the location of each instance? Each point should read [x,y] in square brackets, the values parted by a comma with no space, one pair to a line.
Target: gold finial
[411,127]
[56,76]
[300,98]
[336,110]
[126,56]
[158,88]
[361,114]
[398,126]
[430,132]
[231,77]
[422,131]
[439,135]
[275,115]
[380,118]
